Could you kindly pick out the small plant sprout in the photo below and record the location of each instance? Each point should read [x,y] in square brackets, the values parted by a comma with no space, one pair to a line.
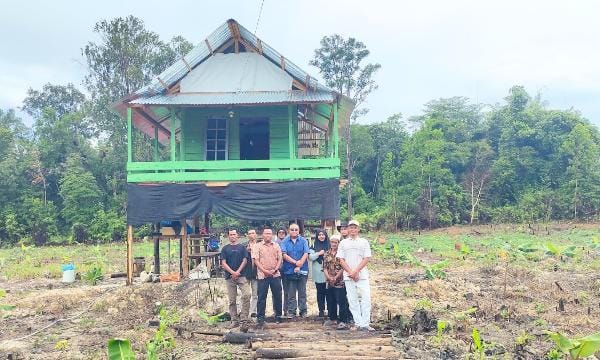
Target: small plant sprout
[424,304]
[441,326]
[478,343]
[523,339]
[211,320]
[93,276]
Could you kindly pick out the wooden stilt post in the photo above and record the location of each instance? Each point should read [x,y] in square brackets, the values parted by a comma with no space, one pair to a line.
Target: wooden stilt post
[129,254]
[157,253]
[207,222]
[185,249]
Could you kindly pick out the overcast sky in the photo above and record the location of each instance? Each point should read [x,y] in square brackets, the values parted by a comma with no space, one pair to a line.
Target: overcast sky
[427,49]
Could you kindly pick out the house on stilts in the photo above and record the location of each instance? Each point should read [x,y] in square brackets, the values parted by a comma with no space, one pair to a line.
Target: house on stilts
[233,128]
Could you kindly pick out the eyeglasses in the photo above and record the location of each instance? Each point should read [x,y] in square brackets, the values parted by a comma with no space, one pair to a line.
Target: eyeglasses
[294,229]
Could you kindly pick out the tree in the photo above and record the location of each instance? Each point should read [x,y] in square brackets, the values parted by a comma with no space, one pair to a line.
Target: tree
[62,99]
[125,58]
[583,170]
[79,192]
[339,61]
[478,173]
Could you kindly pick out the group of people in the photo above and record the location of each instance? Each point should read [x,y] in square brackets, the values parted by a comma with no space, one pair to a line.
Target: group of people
[280,263]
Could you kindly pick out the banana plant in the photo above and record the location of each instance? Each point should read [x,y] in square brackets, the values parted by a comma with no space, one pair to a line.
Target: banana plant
[560,251]
[120,349]
[436,271]
[576,348]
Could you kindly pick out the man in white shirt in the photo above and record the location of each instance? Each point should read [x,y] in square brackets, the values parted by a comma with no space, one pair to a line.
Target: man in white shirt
[354,253]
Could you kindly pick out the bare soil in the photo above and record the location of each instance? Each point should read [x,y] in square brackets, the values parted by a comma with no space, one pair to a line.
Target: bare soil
[511,305]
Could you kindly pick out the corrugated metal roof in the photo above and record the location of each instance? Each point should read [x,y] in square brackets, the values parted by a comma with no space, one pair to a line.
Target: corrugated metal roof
[239,98]
[217,38]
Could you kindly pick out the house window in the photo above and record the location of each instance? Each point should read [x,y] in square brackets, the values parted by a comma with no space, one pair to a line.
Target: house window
[216,139]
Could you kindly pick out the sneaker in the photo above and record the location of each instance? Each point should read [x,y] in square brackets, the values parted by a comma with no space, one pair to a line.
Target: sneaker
[304,315]
[329,323]
[321,313]
[365,328]
[253,315]
[342,326]
[278,319]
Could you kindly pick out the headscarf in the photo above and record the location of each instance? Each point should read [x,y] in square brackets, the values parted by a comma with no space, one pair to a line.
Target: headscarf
[321,245]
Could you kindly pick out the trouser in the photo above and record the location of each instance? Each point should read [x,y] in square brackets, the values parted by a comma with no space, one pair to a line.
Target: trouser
[254,297]
[297,286]
[337,305]
[263,288]
[360,309]
[322,303]
[232,288]
[284,286]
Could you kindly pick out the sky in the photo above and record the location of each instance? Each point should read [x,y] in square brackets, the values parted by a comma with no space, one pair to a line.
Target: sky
[427,49]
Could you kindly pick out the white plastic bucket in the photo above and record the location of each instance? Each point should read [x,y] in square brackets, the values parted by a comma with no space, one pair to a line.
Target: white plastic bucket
[68,276]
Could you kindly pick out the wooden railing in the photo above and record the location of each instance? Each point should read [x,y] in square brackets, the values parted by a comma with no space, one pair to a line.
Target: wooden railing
[233,170]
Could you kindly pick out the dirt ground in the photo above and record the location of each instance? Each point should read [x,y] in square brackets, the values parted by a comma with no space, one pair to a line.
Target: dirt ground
[511,304]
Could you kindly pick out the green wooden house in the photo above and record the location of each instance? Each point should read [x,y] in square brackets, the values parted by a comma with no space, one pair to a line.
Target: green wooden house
[231,124]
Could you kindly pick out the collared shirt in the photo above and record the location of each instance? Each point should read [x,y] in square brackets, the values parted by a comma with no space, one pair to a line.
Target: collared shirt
[268,255]
[353,251]
[295,250]
[332,265]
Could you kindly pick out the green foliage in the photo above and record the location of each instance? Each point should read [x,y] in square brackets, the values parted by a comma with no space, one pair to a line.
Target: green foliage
[211,320]
[560,251]
[576,348]
[79,192]
[163,341]
[120,349]
[478,343]
[93,276]
[436,271]
[107,226]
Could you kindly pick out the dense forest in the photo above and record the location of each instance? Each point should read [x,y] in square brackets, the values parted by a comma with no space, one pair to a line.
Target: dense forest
[63,179]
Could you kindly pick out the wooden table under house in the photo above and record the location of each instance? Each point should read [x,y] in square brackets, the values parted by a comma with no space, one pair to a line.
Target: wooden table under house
[233,128]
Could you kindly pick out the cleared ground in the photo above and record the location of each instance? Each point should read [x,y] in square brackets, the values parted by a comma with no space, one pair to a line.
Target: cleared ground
[511,283]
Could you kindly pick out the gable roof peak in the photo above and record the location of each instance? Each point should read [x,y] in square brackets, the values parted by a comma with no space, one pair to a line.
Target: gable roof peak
[231,36]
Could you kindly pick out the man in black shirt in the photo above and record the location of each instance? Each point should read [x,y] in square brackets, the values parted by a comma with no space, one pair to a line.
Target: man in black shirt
[233,261]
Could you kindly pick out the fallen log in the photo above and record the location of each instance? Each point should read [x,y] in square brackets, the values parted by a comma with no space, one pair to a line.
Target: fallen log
[266,353]
[117,275]
[243,338]
[198,331]
[338,344]
[324,347]
[343,357]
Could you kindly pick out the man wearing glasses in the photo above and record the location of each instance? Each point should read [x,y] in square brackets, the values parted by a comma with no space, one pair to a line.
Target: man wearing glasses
[295,269]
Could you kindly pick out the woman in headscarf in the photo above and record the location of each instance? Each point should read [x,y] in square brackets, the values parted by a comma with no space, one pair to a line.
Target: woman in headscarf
[317,251]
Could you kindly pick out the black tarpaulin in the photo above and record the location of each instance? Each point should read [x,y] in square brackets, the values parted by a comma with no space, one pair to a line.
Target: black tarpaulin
[309,199]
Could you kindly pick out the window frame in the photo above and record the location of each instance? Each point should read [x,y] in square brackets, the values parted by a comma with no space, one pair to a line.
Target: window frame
[215,151]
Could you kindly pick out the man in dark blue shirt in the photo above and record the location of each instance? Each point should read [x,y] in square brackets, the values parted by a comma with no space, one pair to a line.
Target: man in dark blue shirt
[295,269]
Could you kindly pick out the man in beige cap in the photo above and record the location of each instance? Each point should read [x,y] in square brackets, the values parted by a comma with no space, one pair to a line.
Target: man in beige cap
[354,254]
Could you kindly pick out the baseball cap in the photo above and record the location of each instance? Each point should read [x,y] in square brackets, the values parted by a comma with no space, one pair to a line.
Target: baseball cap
[353,222]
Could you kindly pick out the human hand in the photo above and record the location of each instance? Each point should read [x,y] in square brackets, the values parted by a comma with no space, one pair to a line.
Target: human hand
[297,269]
